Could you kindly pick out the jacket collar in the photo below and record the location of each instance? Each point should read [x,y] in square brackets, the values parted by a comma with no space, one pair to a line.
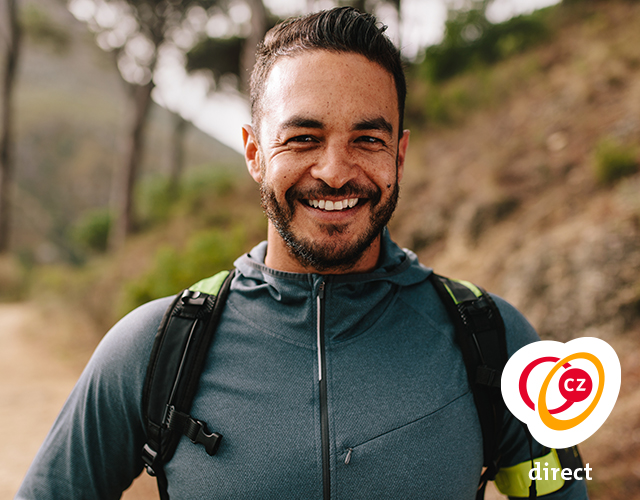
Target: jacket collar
[284,304]
[396,265]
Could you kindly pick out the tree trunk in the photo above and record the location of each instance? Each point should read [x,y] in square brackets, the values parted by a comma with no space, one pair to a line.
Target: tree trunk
[177,157]
[6,140]
[258,30]
[125,218]
[357,4]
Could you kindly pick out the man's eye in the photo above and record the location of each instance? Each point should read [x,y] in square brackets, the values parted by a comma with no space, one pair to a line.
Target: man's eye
[302,139]
[367,139]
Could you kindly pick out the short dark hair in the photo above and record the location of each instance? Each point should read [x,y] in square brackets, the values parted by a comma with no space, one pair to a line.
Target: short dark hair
[343,29]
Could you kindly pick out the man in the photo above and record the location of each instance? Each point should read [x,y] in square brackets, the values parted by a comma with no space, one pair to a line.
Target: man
[333,372]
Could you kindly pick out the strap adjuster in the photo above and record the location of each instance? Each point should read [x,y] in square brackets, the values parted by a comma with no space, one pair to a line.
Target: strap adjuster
[487,376]
[149,456]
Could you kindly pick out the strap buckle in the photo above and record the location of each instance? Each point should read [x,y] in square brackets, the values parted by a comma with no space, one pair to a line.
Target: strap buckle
[198,433]
[195,430]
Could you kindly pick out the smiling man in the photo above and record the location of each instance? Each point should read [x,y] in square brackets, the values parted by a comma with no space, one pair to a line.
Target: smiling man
[328,153]
[334,371]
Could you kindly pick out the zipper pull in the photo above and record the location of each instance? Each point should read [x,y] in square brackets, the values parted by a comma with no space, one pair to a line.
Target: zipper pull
[348,457]
[321,291]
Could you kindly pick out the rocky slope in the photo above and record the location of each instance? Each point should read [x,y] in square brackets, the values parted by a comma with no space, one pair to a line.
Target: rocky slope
[509,199]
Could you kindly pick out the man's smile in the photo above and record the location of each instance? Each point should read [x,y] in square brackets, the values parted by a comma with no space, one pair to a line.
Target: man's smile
[330,205]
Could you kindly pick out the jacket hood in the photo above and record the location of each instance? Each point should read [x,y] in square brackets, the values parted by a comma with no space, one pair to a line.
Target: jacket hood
[396,265]
[354,302]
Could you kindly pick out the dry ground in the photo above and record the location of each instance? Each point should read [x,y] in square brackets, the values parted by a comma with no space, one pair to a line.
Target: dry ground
[42,355]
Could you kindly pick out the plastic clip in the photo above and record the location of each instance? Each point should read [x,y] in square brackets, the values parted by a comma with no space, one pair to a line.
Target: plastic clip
[191,298]
[210,441]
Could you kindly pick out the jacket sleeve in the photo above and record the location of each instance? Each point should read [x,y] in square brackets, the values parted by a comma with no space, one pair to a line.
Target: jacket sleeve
[93,448]
[515,444]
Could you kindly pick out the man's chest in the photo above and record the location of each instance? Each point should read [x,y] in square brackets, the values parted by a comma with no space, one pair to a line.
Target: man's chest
[396,419]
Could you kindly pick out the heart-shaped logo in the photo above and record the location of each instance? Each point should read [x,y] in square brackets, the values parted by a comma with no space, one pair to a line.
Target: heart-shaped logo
[563,392]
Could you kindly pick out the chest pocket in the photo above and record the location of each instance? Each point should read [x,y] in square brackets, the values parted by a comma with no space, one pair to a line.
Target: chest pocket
[416,460]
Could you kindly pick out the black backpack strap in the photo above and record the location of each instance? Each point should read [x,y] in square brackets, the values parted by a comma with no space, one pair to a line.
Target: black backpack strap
[480,334]
[177,358]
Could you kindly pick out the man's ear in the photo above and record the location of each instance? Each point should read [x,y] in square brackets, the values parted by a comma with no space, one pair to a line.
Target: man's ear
[251,153]
[402,153]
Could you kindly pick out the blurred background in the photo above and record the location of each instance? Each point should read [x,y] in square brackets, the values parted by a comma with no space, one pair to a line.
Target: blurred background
[121,177]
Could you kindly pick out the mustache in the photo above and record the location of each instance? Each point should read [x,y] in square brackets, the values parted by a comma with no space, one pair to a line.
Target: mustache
[349,190]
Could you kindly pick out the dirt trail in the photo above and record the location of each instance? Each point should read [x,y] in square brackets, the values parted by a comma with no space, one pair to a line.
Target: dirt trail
[41,357]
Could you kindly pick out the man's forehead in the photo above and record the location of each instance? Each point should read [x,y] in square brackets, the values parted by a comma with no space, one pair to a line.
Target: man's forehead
[312,83]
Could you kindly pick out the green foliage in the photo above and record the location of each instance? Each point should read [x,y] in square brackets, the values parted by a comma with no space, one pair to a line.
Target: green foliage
[91,231]
[206,253]
[614,160]
[154,200]
[470,41]
[209,181]
[221,56]
[39,27]
[157,202]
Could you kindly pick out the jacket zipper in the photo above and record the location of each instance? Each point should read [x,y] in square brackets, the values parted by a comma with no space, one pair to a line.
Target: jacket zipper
[322,380]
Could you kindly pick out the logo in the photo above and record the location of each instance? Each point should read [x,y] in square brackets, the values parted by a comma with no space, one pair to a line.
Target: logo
[563,392]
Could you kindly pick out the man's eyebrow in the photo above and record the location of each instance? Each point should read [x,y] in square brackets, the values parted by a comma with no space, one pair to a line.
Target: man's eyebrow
[374,124]
[301,122]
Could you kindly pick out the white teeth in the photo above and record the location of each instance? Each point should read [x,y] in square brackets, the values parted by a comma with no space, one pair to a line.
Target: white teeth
[333,205]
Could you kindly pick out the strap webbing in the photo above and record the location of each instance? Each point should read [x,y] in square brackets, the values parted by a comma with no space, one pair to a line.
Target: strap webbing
[177,359]
[480,335]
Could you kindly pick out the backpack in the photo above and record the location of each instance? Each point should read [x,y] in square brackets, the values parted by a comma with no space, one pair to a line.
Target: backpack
[187,328]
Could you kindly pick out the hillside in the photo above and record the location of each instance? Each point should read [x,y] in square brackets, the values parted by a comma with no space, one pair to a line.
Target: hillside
[508,198]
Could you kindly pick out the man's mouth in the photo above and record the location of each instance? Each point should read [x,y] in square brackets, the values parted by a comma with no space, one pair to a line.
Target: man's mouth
[330,205]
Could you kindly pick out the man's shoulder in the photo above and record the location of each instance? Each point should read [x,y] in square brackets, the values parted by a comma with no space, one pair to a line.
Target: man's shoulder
[423,298]
[518,329]
[128,343]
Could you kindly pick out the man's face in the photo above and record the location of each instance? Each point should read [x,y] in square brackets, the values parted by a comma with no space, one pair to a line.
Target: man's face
[328,158]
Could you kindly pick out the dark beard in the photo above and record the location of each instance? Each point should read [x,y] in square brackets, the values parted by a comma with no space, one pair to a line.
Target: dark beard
[328,256]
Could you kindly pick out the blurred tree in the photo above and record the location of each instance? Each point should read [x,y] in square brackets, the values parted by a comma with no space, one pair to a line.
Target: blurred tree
[261,22]
[362,5]
[471,40]
[222,56]
[180,126]
[235,53]
[138,32]
[11,36]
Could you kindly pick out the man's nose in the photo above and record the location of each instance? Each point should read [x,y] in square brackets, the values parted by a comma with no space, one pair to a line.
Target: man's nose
[335,167]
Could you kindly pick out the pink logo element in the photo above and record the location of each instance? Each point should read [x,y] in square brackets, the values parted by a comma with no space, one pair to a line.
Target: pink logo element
[522,385]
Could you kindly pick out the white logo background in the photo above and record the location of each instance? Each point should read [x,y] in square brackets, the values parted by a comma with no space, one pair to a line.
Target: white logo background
[548,437]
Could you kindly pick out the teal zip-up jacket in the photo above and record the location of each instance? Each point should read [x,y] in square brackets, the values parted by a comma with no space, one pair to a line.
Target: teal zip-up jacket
[400,419]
